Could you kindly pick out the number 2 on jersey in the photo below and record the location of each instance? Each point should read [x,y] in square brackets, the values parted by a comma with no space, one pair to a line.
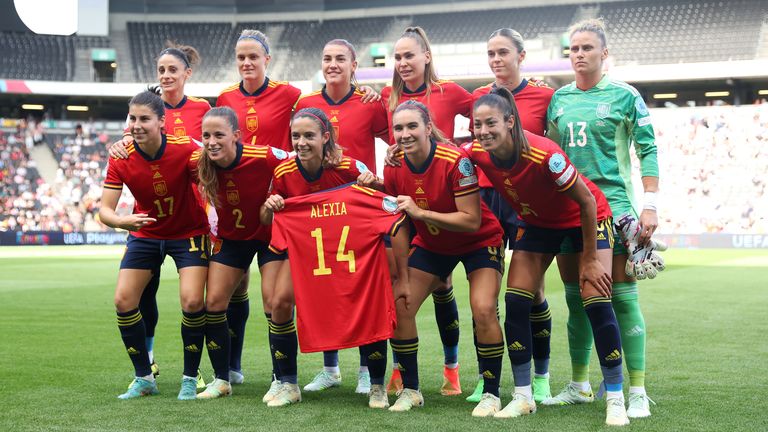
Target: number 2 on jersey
[341,256]
[581,141]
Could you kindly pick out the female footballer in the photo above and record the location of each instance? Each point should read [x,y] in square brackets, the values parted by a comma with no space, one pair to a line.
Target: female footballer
[235,179]
[313,139]
[596,120]
[414,78]
[167,220]
[356,125]
[559,208]
[436,185]
[506,52]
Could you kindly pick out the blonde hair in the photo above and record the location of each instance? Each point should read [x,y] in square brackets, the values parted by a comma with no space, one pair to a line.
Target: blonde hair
[257,36]
[594,25]
[430,76]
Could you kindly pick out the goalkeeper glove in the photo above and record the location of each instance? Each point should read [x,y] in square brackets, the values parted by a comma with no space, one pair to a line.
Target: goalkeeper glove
[643,261]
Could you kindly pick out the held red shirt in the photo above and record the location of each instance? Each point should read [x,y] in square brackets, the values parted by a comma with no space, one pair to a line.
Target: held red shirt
[243,188]
[534,185]
[532,98]
[291,179]
[445,101]
[162,187]
[355,123]
[339,268]
[264,116]
[446,174]
[184,119]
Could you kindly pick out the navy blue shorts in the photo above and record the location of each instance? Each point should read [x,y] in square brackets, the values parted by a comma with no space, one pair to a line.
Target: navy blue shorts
[149,254]
[556,241]
[240,253]
[504,213]
[442,265]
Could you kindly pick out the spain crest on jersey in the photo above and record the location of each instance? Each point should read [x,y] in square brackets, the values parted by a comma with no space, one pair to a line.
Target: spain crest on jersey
[336,131]
[252,123]
[161,189]
[422,203]
[233,197]
[180,131]
[603,110]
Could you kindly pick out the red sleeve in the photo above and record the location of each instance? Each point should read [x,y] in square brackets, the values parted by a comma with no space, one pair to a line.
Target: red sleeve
[114,179]
[389,180]
[390,220]
[463,101]
[293,94]
[560,170]
[380,124]
[463,176]
[192,165]
[278,243]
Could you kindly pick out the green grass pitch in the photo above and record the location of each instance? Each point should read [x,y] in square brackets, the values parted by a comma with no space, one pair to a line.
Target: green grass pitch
[62,363]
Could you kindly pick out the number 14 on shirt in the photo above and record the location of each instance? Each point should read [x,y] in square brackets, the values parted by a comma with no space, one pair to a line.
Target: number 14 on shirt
[341,256]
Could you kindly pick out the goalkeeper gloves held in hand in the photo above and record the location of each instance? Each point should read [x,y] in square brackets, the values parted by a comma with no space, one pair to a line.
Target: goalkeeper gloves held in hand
[643,261]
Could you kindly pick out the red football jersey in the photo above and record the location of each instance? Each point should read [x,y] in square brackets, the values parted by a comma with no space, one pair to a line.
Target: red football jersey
[339,268]
[534,185]
[447,173]
[162,188]
[292,180]
[184,119]
[446,100]
[264,115]
[532,98]
[243,188]
[356,124]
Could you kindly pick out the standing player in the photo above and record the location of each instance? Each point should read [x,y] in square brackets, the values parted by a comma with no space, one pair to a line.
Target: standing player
[596,120]
[313,139]
[167,219]
[506,52]
[356,125]
[235,178]
[335,240]
[437,187]
[183,117]
[559,207]
[414,78]
[263,108]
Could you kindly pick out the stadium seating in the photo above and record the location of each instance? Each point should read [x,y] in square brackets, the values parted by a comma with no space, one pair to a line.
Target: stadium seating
[662,31]
[640,31]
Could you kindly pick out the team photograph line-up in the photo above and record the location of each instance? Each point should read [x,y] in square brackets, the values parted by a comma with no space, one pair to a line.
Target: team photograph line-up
[384,216]
[347,255]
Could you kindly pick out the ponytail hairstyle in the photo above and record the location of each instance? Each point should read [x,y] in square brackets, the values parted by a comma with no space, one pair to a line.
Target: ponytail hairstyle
[430,76]
[257,36]
[513,35]
[185,53]
[423,112]
[208,181]
[353,55]
[502,100]
[594,25]
[330,149]
[151,98]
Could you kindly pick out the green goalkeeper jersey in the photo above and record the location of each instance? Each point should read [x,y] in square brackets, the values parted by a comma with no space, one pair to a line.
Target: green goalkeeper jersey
[596,129]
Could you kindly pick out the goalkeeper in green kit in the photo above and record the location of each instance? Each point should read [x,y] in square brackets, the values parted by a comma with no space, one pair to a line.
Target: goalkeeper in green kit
[596,120]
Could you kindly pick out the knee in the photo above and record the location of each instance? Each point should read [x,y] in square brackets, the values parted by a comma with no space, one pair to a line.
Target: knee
[216,301]
[123,303]
[282,305]
[484,314]
[192,303]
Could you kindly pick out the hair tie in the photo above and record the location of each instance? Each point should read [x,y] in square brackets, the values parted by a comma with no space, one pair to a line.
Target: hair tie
[257,39]
[176,53]
[416,104]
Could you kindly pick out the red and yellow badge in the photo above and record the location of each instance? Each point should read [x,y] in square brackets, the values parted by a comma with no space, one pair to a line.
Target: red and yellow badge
[233,197]
[161,189]
[252,123]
